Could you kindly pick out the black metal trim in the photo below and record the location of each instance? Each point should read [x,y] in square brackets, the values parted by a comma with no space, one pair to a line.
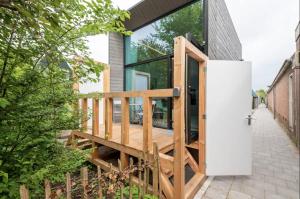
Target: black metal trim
[148,60]
[205,26]
[192,39]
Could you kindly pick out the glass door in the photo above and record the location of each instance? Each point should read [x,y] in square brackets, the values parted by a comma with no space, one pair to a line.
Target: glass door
[192,100]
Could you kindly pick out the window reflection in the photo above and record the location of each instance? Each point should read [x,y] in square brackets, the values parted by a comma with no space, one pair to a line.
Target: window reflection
[156,39]
[153,75]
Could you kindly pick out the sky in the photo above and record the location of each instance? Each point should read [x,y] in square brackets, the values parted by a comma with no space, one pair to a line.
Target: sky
[266,29]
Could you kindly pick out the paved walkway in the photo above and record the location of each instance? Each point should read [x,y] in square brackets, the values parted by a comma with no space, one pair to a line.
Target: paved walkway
[275,166]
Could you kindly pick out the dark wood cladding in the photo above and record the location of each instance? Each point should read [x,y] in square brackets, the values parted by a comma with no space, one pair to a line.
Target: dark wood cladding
[148,10]
[223,41]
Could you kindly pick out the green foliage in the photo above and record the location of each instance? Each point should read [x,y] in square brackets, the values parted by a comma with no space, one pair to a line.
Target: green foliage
[262,94]
[135,193]
[39,40]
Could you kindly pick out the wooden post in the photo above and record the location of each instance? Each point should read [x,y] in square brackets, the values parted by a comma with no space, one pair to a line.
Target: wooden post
[122,186]
[95,130]
[125,121]
[179,118]
[94,153]
[24,193]
[84,119]
[47,189]
[99,177]
[141,195]
[106,86]
[124,130]
[147,124]
[130,178]
[155,172]
[84,181]
[202,117]
[108,118]
[68,186]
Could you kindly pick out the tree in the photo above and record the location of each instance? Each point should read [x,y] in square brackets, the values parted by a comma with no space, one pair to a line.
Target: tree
[262,95]
[37,39]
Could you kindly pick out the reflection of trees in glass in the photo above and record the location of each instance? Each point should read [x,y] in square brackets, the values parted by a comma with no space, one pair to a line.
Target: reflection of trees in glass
[186,20]
[149,48]
[159,40]
[158,71]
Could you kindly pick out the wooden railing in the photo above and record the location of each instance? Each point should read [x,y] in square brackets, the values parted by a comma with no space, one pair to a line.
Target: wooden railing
[147,96]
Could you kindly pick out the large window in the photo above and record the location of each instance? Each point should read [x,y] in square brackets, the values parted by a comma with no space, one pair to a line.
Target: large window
[156,39]
[152,75]
[148,57]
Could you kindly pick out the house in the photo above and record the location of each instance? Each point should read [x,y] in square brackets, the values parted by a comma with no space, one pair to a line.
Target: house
[144,60]
[175,82]
[283,96]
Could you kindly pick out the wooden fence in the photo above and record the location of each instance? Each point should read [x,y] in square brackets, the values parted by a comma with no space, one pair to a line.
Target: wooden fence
[107,183]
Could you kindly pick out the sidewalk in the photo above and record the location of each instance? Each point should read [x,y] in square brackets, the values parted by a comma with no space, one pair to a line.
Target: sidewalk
[275,166]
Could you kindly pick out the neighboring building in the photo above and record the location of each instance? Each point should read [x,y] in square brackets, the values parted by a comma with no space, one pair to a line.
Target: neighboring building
[284,94]
[144,60]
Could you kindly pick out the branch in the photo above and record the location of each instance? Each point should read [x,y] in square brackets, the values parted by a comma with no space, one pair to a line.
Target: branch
[7,55]
[7,4]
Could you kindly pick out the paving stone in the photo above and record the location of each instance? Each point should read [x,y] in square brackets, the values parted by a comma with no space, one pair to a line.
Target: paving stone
[238,195]
[275,166]
[288,192]
[253,191]
[215,193]
[274,196]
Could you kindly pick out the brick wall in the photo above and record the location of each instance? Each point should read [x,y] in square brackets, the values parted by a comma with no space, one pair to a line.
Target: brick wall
[282,98]
[270,101]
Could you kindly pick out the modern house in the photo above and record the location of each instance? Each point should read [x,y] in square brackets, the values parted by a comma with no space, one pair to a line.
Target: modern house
[144,60]
[284,93]
[181,86]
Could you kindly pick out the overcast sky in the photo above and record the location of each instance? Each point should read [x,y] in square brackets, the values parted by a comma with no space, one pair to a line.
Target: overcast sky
[266,29]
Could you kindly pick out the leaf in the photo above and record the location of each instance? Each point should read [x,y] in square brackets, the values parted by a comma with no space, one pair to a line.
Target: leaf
[3,103]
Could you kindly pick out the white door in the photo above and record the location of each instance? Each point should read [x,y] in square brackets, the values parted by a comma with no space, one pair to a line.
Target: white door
[228,104]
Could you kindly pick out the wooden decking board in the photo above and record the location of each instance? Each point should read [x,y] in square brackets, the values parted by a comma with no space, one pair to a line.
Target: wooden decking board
[162,137]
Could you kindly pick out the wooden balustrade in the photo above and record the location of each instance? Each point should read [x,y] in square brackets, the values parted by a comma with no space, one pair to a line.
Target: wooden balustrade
[147,96]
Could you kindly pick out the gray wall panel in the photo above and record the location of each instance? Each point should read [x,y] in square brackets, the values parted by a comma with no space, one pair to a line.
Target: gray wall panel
[116,61]
[223,41]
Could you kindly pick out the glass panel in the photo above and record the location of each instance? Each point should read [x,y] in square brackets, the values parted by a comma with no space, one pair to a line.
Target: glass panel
[153,75]
[156,39]
[192,99]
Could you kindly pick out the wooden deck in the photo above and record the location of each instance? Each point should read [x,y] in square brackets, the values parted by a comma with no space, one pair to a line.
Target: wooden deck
[138,140]
[163,137]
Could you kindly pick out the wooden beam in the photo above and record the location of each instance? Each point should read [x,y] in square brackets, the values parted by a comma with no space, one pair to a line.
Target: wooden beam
[147,124]
[179,117]
[194,52]
[202,117]
[167,187]
[159,93]
[191,161]
[125,121]
[95,129]
[113,145]
[84,119]
[124,130]
[106,86]
[192,187]
[108,118]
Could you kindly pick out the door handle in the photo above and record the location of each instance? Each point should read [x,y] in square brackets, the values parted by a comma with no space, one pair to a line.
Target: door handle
[249,118]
